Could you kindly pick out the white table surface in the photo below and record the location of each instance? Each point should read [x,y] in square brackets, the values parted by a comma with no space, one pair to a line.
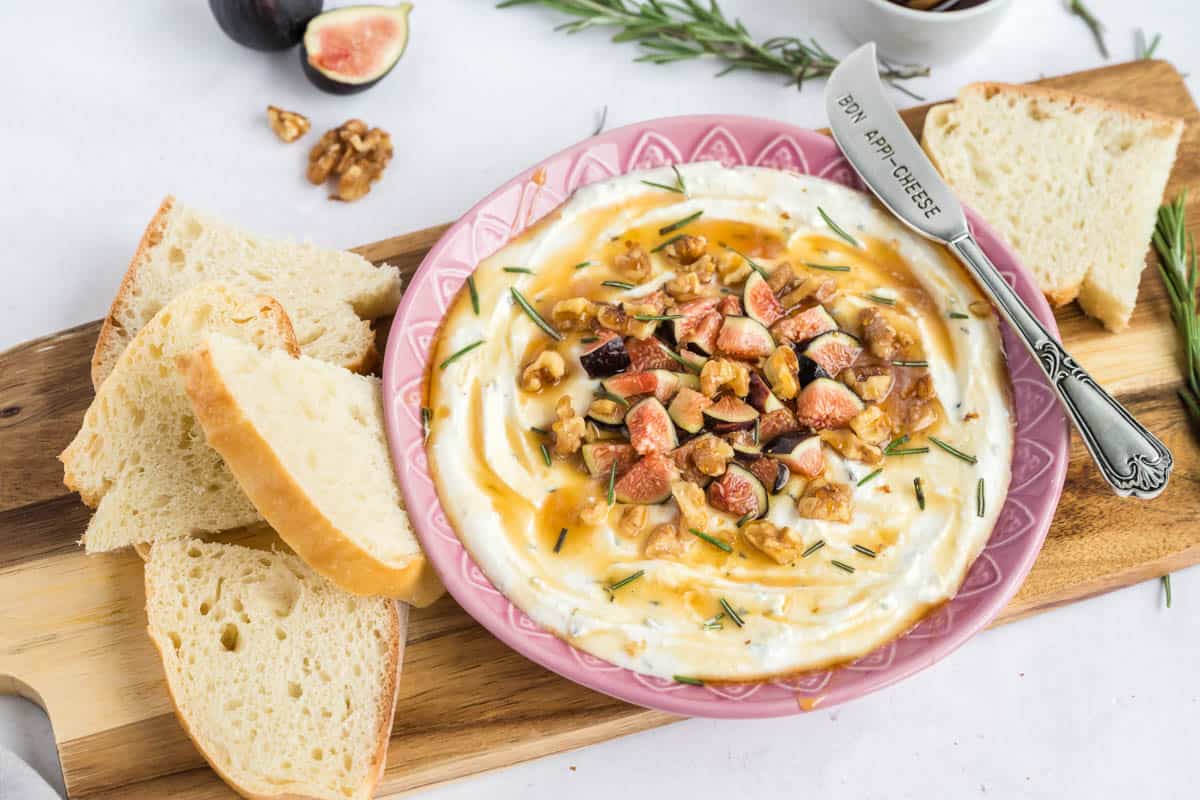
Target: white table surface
[108,106]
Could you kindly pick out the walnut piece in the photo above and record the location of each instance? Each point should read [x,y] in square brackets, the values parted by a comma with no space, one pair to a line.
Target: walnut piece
[687,249]
[711,454]
[717,373]
[781,545]
[848,445]
[871,382]
[820,289]
[825,500]
[685,286]
[569,429]
[575,314]
[879,334]
[288,125]
[693,507]
[353,154]
[545,370]
[782,369]
[633,520]
[594,511]
[872,425]
[634,263]
[732,268]
[668,541]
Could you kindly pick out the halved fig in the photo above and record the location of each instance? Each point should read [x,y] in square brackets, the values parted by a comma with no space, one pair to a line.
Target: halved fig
[608,414]
[690,315]
[776,423]
[743,444]
[648,354]
[630,384]
[826,403]
[761,396]
[667,384]
[605,357]
[730,306]
[774,474]
[801,326]
[730,414]
[801,453]
[834,351]
[352,48]
[650,428]
[648,481]
[704,336]
[739,493]
[760,302]
[744,338]
[694,357]
[687,410]
[265,25]
[809,370]
[599,457]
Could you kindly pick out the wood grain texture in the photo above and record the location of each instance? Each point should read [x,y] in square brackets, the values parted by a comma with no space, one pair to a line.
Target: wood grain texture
[72,628]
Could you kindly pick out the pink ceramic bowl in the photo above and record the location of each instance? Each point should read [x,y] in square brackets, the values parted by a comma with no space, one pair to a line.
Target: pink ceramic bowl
[1039,460]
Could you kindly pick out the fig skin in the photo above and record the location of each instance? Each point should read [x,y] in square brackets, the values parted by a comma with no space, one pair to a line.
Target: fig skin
[263,24]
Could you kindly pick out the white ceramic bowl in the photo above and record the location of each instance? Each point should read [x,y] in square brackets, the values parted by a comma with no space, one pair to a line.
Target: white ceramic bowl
[925,37]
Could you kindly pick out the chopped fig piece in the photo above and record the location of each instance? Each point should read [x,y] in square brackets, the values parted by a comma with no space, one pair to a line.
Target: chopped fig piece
[648,481]
[825,403]
[650,428]
[834,351]
[743,443]
[776,423]
[800,326]
[648,354]
[704,336]
[687,410]
[683,456]
[809,370]
[744,338]
[631,384]
[690,315]
[606,357]
[599,458]
[772,473]
[760,301]
[761,396]
[730,306]
[802,454]
[739,493]
[730,414]
[667,384]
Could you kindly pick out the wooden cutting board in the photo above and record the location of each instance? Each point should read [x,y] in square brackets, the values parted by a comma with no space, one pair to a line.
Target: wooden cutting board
[72,628]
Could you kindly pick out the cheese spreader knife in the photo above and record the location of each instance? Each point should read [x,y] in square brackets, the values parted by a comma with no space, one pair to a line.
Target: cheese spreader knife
[879,146]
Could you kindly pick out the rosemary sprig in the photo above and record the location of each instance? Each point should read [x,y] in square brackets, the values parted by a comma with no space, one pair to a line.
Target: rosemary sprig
[952,450]
[1144,50]
[679,178]
[744,518]
[980,499]
[714,623]
[866,551]
[733,615]
[656,317]
[546,454]
[1077,8]
[680,30]
[664,187]
[667,243]
[520,270]
[582,264]
[910,363]
[678,359]
[532,313]
[828,267]
[562,537]
[618,285]
[959,315]
[919,492]
[753,264]
[459,354]
[908,451]
[878,298]
[474,294]
[680,223]
[812,548]
[687,680]
[714,541]
[844,567]
[870,477]
[1177,266]
[1166,584]
[612,484]
[833,226]
[616,398]
[626,581]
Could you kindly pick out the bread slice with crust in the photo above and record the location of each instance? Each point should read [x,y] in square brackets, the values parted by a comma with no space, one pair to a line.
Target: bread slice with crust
[306,441]
[1071,182]
[330,295]
[285,683]
[139,458]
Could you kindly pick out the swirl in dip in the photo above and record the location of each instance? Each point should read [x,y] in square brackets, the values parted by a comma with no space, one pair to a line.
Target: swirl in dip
[819,474]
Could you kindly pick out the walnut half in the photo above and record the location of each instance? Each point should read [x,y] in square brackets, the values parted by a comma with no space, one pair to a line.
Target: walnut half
[353,154]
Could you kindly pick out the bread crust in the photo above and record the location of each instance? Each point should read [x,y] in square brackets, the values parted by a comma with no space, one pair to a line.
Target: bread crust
[283,502]
[386,710]
[990,88]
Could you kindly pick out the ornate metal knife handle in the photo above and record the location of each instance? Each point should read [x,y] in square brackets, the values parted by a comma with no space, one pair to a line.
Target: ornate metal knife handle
[1131,459]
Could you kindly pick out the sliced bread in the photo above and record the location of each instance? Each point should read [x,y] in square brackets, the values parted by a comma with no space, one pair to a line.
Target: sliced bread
[140,459]
[1071,182]
[330,295]
[306,441]
[285,683]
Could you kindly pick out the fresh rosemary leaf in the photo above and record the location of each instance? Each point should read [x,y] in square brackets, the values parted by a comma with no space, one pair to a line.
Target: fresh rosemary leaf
[866,551]
[664,245]
[455,356]
[870,477]
[980,499]
[1077,8]
[828,267]
[910,363]
[714,541]
[1166,584]
[959,315]
[878,298]
[1177,268]
[532,313]
[546,454]
[954,451]
[688,681]
[909,451]
[612,484]
[426,416]
[844,567]
[689,366]
[616,398]
[663,186]
[618,285]
[714,623]
[742,520]
[562,537]
[812,548]
[656,317]
[833,226]
[754,265]
[679,178]
[919,492]
[1144,50]
[894,443]
[733,615]
[626,580]
[521,270]
[474,294]
[582,264]
[680,223]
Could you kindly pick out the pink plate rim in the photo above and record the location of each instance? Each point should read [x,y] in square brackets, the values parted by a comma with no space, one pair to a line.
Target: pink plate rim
[1039,457]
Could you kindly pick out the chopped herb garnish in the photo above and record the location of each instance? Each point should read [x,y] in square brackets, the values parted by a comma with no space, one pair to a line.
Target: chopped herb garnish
[582,264]
[668,243]
[532,313]
[656,317]
[679,177]
[1166,584]
[426,415]
[959,315]
[733,615]
[919,492]
[833,226]
[866,551]
[870,477]
[714,623]
[540,431]
[455,356]
[663,186]
[828,267]
[812,548]
[616,398]
[626,580]
[618,285]
[522,270]
[714,541]
[980,499]
[753,264]
[1077,8]
[680,223]
[546,454]
[562,537]
[612,484]
[1145,50]
[688,681]
[954,451]
[742,520]
[894,443]
[878,298]
[842,565]
[589,340]
[909,451]
[474,294]
[910,363]
[679,359]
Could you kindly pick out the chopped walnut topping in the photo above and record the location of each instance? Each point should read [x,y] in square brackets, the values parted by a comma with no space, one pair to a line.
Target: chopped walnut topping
[545,370]
[594,511]
[781,277]
[569,429]
[717,373]
[781,369]
[633,520]
[782,545]
[634,263]
[711,454]
[693,508]
[825,500]
[821,290]
[917,406]
[288,125]
[872,383]
[848,445]
[704,267]
[685,286]
[668,541]
[623,319]
[980,308]
[872,425]
[687,249]
[354,155]
[880,335]
[732,268]
[575,314]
